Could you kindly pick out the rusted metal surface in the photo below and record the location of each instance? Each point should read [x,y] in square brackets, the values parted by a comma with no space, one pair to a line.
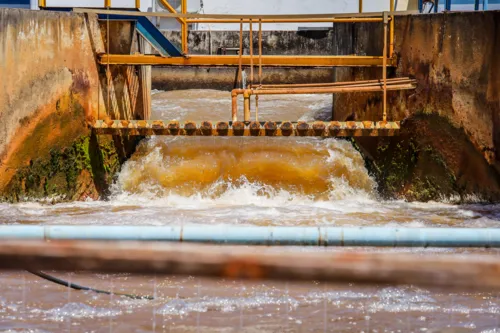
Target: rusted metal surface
[370,86]
[237,128]
[361,83]
[482,271]
[233,60]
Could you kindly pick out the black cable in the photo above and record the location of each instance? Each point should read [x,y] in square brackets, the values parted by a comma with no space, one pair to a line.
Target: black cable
[79,287]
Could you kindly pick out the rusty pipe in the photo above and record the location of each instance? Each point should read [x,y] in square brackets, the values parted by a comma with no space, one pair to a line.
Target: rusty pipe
[246,105]
[234,106]
[298,91]
[333,84]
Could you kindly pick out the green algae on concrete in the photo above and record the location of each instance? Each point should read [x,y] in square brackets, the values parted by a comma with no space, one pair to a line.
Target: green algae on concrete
[430,160]
[83,170]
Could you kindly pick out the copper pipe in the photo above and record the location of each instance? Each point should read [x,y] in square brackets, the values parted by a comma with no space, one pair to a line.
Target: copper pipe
[384,67]
[303,20]
[360,6]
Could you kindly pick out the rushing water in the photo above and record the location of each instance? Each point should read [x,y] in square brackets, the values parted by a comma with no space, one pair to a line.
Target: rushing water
[244,181]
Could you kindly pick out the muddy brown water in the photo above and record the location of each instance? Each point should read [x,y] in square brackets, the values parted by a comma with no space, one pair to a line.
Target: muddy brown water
[245,181]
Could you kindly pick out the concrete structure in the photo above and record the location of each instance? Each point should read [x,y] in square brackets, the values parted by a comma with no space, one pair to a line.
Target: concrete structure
[51,87]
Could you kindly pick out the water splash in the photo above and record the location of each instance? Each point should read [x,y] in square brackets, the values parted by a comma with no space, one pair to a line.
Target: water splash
[247,167]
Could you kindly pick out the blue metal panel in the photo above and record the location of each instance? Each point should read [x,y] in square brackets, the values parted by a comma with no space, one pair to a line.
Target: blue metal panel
[150,32]
[255,235]
[447,5]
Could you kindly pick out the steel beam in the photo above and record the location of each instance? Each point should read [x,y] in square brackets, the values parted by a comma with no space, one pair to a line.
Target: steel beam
[242,16]
[256,235]
[233,60]
[250,128]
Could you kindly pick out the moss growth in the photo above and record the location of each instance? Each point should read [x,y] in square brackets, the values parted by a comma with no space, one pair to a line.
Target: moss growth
[85,169]
[430,160]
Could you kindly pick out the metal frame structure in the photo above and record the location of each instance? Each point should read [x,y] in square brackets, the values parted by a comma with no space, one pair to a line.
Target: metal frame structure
[249,127]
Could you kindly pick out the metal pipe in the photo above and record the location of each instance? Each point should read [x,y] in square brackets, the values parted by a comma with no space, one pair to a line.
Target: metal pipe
[251,52]
[316,20]
[329,90]
[246,105]
[184,28]
[256,235]
[240,55]
[334,84]
[485,4]
[360,6]
[234,106]
[391,30]
[247,16]
[384,67]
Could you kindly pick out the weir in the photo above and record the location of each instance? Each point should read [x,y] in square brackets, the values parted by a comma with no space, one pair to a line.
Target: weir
[205,231]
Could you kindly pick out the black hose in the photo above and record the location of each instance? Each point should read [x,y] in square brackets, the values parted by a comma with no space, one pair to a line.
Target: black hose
[79,287]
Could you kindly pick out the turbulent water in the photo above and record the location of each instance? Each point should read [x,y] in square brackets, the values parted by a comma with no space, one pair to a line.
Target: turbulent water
[244,181]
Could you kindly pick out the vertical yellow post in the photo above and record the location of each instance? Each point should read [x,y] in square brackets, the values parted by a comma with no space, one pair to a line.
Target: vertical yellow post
[360,6]
[240,55]
[42,3]
[251,53]
[260,71]
[184,28]
[137,4]
[107,3]
[384,66]
[391,38]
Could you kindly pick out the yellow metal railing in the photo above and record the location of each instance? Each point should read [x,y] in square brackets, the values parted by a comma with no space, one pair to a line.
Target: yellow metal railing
[185,21]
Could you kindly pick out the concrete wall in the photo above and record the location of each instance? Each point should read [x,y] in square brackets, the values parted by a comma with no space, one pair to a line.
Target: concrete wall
[47,66]
[51,87]
[453,117]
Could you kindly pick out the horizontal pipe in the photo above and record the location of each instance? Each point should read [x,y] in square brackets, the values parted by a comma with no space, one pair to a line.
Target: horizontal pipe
[328,90]
[241,16]
[297,20]
[479,272]
[233,60]
[331,84]
[256,235]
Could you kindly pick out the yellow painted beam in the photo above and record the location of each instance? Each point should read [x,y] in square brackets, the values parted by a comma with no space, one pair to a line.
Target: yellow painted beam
[240,16]
[297,20]
[232,60]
